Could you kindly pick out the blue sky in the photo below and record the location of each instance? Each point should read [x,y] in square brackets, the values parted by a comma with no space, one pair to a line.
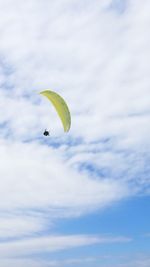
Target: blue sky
[81,198]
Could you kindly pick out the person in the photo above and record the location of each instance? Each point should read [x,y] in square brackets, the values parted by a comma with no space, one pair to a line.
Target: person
[46,133]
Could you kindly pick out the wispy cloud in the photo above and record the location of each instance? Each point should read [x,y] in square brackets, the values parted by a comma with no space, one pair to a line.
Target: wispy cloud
[53,243]
[22,249]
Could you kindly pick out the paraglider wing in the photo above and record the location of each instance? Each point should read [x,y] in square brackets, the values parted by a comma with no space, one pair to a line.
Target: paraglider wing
[60,106]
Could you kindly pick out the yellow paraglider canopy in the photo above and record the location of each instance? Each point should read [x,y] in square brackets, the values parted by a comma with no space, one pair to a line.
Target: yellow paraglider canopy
[60,106]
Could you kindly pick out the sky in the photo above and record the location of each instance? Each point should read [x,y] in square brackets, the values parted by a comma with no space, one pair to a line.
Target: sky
[82,198]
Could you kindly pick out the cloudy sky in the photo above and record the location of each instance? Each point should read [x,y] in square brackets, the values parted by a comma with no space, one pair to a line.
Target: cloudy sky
[78,199]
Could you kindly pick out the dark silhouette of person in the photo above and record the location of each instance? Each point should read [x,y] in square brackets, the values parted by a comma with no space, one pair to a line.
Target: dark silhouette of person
[46,133]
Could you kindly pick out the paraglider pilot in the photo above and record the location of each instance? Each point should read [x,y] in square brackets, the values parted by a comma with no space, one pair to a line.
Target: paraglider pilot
[46,133]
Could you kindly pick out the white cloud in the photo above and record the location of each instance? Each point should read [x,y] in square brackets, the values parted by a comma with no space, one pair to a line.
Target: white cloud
[53,243]
[98,59]
[23,263]
[34,180]
[13,226]
[77,58]
[71,262]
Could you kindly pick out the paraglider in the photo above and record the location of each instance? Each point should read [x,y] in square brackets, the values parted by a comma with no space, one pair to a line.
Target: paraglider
[46,133]
[61,108]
